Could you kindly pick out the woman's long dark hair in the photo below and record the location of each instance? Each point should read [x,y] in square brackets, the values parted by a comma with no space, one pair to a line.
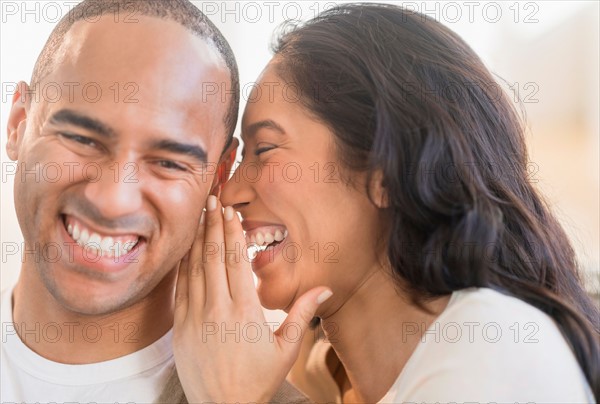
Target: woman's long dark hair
[408,98]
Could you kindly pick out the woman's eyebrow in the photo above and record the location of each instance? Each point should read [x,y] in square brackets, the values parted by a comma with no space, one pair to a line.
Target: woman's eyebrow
[264,124]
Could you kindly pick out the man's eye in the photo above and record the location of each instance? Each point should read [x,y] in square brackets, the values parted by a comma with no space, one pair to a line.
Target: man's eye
[171,165]
[80,139]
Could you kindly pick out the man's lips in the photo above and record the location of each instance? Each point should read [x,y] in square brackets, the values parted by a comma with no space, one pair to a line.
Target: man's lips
[93,258]
[105,243]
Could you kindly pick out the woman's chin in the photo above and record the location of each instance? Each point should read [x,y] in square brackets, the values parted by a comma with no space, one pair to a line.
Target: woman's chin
[274,299]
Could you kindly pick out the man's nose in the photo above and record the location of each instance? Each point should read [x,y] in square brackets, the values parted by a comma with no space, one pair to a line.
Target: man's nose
[117,192]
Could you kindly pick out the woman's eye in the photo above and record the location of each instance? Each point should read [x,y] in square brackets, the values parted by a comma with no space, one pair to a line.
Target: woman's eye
[80,139]
[261,150]
[171,165]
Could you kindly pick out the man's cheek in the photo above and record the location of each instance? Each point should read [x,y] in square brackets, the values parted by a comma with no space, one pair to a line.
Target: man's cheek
[47,165]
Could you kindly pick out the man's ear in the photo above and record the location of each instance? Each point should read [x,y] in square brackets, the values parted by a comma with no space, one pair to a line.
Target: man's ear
[377,190]
[224,167]
[17,120]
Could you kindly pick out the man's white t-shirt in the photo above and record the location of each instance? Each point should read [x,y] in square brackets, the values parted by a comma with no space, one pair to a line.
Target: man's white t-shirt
[28,377]
[490,347]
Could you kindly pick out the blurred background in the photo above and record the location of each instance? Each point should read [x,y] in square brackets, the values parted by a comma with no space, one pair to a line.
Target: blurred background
[546,53]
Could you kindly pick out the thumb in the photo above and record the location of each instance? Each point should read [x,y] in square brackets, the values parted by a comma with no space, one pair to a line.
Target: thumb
[300,316]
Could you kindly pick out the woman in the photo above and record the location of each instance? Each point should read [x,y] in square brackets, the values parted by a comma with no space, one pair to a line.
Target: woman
[386,173]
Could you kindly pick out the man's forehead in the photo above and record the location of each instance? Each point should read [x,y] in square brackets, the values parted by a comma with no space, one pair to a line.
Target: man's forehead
[152,37]
[156,65]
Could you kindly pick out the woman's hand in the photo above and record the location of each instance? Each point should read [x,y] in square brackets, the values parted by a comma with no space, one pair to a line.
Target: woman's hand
[224,349]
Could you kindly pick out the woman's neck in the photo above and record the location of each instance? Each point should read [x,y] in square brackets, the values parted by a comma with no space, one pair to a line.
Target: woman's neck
[374,334]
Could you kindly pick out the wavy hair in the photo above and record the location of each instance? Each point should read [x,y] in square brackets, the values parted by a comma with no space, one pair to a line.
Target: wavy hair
[409,99]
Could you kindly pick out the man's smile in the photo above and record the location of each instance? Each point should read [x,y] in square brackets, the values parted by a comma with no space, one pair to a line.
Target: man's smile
[109,245]
[100,249]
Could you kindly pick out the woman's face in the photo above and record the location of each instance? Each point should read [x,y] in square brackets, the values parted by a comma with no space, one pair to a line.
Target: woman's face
[289,185]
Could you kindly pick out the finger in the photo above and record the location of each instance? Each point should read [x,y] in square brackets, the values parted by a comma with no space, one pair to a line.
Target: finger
[300,316]
[239,273]
[217,289]
[196,276]
[181,290]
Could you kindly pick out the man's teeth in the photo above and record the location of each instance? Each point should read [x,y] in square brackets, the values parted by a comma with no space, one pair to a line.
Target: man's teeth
[107,246]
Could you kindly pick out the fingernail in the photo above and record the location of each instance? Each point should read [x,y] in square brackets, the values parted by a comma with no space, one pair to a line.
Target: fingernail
[202,216]
[211,203]
[229,213]
[324,296]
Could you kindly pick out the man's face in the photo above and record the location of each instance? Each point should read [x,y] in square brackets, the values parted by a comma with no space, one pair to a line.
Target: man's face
[126,158]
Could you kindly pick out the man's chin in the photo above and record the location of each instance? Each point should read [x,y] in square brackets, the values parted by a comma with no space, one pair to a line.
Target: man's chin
[84,302]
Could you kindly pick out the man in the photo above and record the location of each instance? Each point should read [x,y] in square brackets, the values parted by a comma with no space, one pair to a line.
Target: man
[140,136]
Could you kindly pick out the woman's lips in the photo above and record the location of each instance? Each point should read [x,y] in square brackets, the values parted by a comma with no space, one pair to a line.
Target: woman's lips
[267,255]
[264,241]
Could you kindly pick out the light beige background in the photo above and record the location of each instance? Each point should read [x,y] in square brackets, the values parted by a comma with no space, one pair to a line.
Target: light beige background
[547,50]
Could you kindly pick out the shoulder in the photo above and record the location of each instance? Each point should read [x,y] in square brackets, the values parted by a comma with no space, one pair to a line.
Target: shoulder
[482,321]
[482,318]
[489,301]
[489,346]
[499,317]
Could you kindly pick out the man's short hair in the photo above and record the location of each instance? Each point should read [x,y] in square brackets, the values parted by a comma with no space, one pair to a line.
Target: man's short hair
[180,11]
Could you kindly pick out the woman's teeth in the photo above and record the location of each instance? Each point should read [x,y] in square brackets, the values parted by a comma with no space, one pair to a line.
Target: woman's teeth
[265,238]
[261,240]
[106,246]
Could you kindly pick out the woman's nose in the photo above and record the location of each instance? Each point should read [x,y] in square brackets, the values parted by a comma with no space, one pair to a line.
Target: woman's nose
[237,192]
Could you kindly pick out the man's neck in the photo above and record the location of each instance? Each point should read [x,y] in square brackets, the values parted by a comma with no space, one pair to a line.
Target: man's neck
[63,336]
[374,334]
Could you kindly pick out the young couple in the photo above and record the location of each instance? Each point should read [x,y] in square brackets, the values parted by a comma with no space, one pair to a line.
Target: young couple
[437,271]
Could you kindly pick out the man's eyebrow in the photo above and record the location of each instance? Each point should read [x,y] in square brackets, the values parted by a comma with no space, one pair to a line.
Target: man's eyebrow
[71,117]
[264,124]
[194,151]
